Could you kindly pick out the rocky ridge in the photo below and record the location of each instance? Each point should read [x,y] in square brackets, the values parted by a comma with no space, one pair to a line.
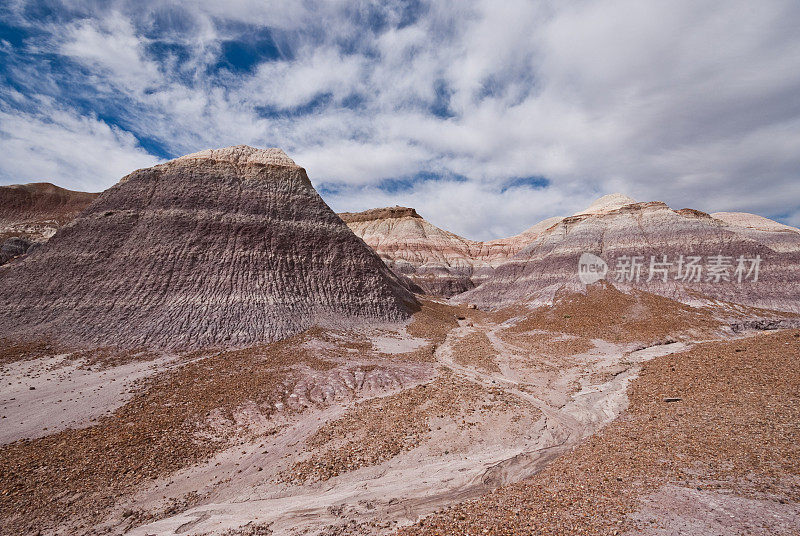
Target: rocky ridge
[36,211]
[437,261]
[647,246]
[224,247]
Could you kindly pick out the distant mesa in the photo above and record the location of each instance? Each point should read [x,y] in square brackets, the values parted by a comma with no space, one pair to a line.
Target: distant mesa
[543,260]
[222,247]
[41,199]
[616,228]
[439,262]
[35,211]
[379,214]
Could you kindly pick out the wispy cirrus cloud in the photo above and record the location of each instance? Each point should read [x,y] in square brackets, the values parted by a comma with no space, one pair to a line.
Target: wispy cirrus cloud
[83,148]
[386,102]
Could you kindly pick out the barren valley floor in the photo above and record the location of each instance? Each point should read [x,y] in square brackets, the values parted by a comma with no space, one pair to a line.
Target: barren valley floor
[604,414]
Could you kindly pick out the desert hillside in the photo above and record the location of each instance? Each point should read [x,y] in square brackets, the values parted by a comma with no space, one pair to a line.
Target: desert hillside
[31,213]
[439,262]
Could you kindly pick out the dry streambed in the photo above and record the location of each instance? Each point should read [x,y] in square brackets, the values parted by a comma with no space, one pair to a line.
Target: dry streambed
[336,432]
[376,464]
[721,459]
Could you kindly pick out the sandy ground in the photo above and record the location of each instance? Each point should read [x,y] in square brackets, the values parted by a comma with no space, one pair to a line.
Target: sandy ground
[451,465]
[349,433]
[46,395]
[674,510]
[708,445]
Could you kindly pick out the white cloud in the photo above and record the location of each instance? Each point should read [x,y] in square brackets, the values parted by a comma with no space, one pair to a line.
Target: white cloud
[356,163]
[79,153]
[111,46]
[690,103]
[470,208]
[287,84]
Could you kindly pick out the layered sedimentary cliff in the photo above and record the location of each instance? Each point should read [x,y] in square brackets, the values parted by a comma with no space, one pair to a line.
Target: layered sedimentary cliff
[223,247]
[437,261]
[683,254]
[35,211]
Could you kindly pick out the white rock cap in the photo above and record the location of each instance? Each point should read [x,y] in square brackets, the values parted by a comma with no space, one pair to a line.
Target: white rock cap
[607,203]
[244,154]
[752,221]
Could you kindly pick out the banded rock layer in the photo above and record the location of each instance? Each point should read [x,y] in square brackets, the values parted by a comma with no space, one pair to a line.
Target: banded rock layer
[35,211]
[437,261]
[224,247]
[651,231]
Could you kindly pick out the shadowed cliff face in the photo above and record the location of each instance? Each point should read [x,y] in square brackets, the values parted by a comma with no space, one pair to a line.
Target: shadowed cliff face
[223,247]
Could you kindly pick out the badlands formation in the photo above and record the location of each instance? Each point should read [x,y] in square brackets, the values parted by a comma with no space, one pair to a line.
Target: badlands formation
[217,248]
[31,214]
[543,260]
[662,239]
[37,210]
[437,261]
[208,349]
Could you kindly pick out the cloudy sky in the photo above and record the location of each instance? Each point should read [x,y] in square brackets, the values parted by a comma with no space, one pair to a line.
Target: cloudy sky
[486,116]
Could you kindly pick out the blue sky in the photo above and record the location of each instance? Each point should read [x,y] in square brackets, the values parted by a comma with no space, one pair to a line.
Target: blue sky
[486,116]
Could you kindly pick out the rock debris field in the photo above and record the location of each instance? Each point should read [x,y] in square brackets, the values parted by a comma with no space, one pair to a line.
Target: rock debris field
[466,427]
